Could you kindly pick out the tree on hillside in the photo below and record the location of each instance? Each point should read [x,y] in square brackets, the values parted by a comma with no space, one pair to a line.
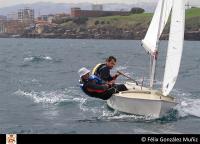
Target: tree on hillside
[96,22]
[136,10]
[80,20]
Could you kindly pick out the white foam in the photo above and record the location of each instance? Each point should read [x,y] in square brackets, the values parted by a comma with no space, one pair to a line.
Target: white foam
[85,106]
[32,58]
[188,107]
[116,115]
[44,97]
[47,58]
[70,94]
[28,59]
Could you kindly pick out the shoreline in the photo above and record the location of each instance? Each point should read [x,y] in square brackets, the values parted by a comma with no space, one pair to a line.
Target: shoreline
[189,36]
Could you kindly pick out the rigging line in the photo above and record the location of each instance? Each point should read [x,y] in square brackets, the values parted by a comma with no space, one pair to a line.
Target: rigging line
[128,61]
[126,64]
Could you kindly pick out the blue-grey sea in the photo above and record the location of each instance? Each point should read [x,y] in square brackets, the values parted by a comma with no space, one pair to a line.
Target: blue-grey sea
[40,94]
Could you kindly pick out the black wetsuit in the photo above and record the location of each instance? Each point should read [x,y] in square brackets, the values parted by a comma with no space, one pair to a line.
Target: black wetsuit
[103,72]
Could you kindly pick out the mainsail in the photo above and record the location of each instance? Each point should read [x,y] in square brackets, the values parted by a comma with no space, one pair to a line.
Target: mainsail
[175,47]
[157,25]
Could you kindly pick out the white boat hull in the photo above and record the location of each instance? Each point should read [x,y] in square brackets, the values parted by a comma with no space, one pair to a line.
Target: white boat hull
[141,102]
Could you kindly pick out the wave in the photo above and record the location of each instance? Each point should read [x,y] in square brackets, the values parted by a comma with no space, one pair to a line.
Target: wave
[59,97]
[189,107]
[43,97]
[56,96]
[119,116]
[37,58]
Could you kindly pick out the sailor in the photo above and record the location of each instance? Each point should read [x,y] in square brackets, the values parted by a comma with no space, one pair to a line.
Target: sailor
[102,70]
[94,86]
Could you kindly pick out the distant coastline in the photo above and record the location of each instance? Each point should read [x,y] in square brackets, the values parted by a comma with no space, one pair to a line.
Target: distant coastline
[127,27]
[190,36]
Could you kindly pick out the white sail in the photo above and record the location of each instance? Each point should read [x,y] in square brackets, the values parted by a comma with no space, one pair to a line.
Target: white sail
[175,47]
[158,23]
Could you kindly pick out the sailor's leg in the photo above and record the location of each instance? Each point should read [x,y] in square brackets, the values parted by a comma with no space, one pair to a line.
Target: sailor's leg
[108,94]
[120,87]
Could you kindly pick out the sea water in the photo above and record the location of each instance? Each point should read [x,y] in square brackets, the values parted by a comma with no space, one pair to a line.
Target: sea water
[39,89]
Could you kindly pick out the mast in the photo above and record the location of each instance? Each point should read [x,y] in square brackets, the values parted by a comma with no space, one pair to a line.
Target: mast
[155,53]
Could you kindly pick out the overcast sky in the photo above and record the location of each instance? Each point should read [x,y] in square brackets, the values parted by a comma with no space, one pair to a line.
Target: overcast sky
[5,3]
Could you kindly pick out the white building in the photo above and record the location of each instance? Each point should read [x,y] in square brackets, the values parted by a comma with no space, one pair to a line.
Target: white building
[26,15]
[2,27]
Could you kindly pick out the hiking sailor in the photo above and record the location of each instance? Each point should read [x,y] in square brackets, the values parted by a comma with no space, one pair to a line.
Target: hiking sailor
[102,71]
[94,86]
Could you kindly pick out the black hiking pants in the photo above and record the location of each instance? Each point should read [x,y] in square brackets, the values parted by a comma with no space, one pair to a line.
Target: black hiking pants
[108,93]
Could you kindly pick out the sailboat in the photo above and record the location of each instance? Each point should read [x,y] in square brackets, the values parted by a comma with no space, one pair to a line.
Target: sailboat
[149,101]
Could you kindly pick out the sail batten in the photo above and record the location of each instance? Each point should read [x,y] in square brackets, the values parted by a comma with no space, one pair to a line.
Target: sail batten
[175,47]
[157,25]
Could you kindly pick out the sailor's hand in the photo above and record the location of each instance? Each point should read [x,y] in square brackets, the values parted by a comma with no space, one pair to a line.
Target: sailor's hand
[116,75]
[111,82]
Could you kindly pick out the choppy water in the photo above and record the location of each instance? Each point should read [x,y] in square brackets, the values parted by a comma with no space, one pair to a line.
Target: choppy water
[39,90]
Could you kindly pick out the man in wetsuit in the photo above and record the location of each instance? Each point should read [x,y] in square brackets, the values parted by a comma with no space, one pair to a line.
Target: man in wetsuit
[103,71]
[94,86]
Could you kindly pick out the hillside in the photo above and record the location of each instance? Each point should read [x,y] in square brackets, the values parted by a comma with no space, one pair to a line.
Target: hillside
[193,19]
[140,21]
[133,26]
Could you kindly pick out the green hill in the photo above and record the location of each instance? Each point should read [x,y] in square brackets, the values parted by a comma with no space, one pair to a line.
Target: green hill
[129,21]
[132,26]
[143,20]
[193,19]
[193,12]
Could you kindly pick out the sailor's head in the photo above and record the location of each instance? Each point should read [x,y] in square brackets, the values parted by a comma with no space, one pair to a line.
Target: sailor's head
[84,73]
[111,62]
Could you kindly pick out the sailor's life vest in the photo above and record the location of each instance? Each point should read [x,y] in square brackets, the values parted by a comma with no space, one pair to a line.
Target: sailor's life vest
[97,80]
[92,77]
[96,70]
